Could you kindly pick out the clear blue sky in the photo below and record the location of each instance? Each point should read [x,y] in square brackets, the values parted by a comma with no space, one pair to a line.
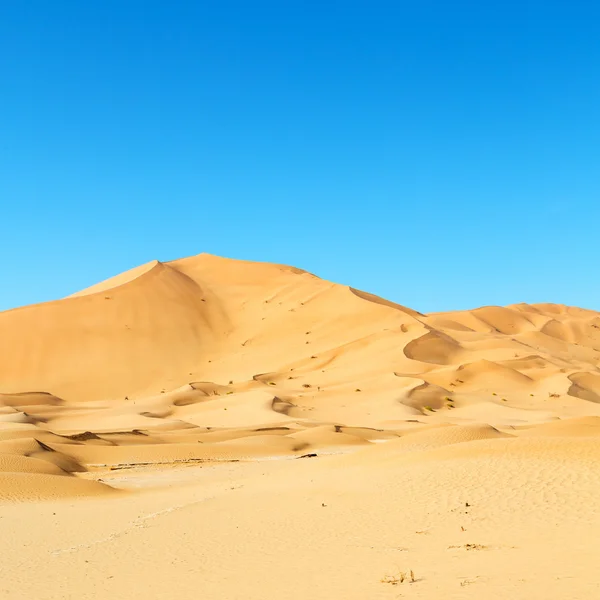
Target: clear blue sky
[442,154]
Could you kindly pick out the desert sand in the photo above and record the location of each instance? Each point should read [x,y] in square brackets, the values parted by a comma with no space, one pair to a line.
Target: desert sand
[221,429]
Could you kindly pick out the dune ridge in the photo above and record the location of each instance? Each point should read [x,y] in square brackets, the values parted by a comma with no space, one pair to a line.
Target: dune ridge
[276,345]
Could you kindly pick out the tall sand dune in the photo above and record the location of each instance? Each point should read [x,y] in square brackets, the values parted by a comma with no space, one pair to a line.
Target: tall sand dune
[217,428]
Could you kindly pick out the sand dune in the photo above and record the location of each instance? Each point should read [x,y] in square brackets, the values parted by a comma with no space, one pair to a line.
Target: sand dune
[258,432]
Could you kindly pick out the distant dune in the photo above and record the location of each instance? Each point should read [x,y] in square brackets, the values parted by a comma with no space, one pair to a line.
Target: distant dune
[449,430]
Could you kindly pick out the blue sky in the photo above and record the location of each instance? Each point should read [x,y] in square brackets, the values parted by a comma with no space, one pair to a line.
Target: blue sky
[444,155]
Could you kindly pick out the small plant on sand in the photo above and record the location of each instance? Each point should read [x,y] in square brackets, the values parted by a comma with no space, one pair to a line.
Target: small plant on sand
[429,408]
[494,394]
[400,577]
[358,390]
[554,395]
[306,385]
[272,383]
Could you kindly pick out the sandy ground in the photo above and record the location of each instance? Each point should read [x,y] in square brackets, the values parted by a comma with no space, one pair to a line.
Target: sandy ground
[223,429]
